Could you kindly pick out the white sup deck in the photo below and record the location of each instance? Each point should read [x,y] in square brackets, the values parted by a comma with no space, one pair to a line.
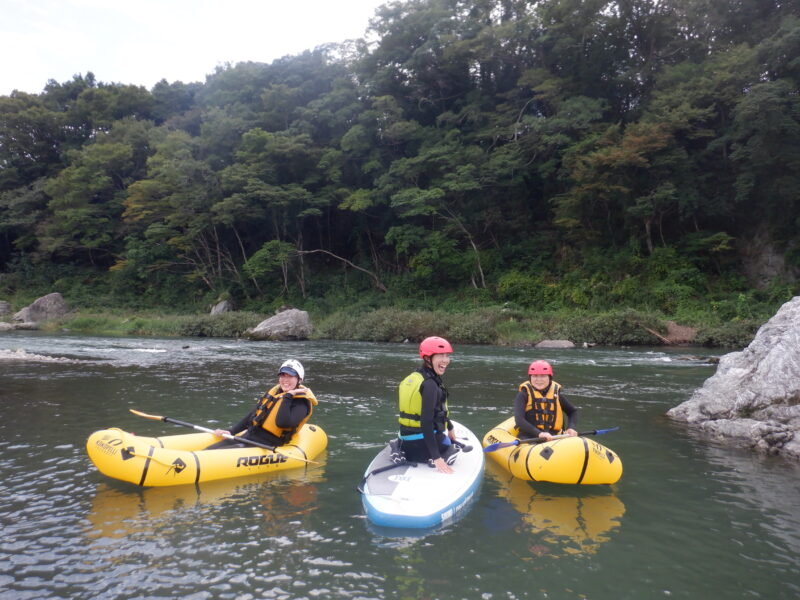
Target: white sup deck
[415,495]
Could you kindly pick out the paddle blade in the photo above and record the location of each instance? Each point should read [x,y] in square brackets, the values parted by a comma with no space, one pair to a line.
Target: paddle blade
[139,413]
[602,431]
[498,445]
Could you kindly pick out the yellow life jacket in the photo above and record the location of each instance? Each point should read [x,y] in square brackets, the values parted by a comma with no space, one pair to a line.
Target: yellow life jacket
[410,403]
[410,400]
[544,409]
[267,410]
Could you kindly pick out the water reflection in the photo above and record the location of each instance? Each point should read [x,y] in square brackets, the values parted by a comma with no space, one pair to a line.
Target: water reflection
[750,480]
[560,520]
[693,513]
[119,511]
[401,537]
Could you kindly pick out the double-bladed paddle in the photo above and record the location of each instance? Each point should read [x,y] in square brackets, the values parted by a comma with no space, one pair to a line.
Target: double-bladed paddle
[227,436]
[537,440]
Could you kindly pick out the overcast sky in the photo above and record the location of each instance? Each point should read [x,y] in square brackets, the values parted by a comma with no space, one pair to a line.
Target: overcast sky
[143,41]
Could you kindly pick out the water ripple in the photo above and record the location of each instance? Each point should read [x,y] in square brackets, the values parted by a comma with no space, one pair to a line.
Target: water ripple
[691,513]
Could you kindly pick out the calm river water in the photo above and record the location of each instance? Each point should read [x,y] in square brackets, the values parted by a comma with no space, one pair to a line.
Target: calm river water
[688,519]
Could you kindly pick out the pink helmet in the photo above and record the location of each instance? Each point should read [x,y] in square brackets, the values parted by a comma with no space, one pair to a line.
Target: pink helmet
[540,367]
[434,345]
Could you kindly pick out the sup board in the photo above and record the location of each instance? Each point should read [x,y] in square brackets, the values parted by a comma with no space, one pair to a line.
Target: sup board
[416,495]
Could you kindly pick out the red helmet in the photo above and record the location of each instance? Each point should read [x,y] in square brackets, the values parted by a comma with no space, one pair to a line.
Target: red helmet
[540,367]
[434,345]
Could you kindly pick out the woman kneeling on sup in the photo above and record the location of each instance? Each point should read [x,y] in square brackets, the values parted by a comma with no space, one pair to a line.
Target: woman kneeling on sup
[426,432]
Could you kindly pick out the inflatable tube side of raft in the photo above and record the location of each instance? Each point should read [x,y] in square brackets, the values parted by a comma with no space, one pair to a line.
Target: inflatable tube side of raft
[181,459]
[575,460]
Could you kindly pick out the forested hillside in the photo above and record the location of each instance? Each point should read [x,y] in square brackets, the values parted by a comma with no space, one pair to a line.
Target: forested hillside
[555,154]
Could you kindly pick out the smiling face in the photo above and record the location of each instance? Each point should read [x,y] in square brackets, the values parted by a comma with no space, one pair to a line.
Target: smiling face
[287,382]
[540,382]
[439,363]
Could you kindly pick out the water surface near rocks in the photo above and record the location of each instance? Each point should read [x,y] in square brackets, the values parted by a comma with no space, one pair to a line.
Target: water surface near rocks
[688,519]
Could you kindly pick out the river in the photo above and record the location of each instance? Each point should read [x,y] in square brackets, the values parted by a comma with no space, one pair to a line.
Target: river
[688,519]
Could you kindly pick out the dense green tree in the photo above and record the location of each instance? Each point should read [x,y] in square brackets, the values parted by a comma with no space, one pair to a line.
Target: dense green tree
[30,140]
[171,208]
[86,197]
[601,151]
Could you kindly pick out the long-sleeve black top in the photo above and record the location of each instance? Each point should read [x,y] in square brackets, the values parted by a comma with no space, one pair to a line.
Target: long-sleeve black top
[433,416]
[291,413]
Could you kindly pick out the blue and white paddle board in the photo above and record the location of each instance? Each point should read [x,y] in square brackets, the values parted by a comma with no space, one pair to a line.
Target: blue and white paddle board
[416,495]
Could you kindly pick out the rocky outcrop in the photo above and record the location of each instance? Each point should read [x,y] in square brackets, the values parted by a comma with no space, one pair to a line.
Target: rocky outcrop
[763,260]
[754,397]
[555,344]
[51,306]
[291,324]
[222,307]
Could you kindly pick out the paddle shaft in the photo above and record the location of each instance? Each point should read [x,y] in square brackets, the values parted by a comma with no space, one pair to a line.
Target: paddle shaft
[227,436]
[207,430]
[539,440]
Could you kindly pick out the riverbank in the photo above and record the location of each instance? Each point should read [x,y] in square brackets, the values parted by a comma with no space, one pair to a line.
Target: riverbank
[492,325]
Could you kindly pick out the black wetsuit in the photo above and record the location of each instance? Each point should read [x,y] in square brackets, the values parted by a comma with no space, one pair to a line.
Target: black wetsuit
[434,423]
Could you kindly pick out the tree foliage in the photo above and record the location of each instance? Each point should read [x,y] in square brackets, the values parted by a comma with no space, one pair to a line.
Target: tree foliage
[551,153]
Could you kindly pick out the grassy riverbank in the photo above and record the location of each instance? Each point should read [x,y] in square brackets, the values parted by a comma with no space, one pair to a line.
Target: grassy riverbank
[490,325]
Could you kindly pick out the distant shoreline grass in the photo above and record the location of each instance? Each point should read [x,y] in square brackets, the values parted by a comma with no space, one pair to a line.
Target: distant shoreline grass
[496,326]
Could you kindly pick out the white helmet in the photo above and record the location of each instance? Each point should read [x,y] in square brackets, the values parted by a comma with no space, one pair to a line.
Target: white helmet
[293,367]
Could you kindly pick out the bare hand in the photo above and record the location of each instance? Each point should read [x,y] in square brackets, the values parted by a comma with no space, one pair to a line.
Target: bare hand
[546,436]
[221,433]
[442,466]
[571,432]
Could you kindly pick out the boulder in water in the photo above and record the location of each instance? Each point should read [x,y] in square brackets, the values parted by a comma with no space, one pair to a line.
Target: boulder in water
[754,397]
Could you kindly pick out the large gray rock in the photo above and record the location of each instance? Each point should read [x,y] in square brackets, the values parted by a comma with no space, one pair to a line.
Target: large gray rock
[754,397]
[292,324]
[222,307]
[555,344]
[51,306]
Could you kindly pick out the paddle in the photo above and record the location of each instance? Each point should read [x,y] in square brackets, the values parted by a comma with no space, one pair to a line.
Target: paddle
[207,430]
[403,463]
[498,445]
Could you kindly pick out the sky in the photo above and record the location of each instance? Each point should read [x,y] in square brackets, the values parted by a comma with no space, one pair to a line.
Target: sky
[143,41]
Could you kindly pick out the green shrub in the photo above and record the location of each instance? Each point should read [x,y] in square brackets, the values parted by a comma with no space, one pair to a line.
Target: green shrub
[230,324]
[731,334]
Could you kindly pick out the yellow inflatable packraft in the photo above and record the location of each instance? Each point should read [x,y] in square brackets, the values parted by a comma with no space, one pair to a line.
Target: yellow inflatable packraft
[181,459]
[565,460]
